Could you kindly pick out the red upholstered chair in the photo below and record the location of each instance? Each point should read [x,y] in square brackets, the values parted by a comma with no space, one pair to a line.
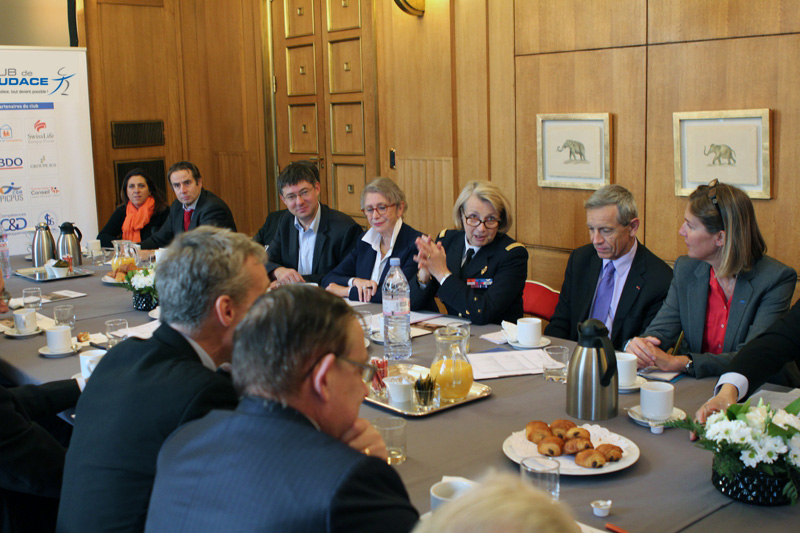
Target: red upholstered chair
[539,300]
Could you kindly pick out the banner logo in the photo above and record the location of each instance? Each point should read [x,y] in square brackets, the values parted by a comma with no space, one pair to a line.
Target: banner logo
[13,223]
[61,81]
[10,193]
[39,125]
[6,133]
[10,163]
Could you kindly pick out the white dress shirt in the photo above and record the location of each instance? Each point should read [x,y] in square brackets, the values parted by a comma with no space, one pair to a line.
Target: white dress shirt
[307,239]
[373,238]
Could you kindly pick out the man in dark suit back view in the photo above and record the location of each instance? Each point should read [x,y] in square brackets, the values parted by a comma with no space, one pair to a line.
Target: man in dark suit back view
[142,390]
[194,206]
[615,279]
[311,239]
[293,456]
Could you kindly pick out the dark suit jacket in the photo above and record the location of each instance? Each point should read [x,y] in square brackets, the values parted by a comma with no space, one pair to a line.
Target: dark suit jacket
[270,227]
[760,297]
[503,260]
[266,468]
[209,211]
[645,289]
[336,236]
[113,228]
[141,391]
[359,262]
[31,458]
[765,355]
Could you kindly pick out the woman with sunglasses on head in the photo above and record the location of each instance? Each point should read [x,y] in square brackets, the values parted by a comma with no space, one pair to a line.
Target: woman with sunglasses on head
[361,274]
[477,271]
[142,212]
[724,292]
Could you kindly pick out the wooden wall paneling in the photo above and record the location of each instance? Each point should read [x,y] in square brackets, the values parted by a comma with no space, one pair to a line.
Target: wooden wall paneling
[134,70]
[692,20]
[502,114]
[415,100]
[472,91]
[427,182]
[547,265]
[563,25]
[717,75]
[609,81]
[224,103]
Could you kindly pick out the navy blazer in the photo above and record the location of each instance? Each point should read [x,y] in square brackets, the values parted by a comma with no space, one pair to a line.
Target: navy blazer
[336,236]
[760,297]
[645,288]
[360,261]
[209,211]
[503,260]
[140,392]
[265,467]
[113,228]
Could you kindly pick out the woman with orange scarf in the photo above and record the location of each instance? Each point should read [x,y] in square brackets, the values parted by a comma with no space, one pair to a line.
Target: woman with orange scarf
[142,212]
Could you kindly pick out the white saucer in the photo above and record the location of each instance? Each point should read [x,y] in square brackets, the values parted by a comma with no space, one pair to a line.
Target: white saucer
[636,414]
[633,388]
[12,332]
[108,280]
[44,351]
[542,343]
[155,313]
[376,337]
[76,376]
[366,342]
[28,257]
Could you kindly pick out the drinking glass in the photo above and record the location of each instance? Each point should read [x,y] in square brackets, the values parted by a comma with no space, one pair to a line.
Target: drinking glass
[365,318]
[116,331]
[64,315]
[393,432]
[542,473]
[32,298]
[556,369]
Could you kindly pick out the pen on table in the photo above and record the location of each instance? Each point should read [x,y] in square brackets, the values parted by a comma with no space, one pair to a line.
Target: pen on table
[95,345]
[615,529]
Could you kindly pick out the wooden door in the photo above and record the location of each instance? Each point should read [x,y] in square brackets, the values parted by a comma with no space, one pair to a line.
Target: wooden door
[324,54]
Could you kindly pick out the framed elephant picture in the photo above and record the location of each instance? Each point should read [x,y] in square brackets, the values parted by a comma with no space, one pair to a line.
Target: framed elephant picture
[731,146]
[574,150]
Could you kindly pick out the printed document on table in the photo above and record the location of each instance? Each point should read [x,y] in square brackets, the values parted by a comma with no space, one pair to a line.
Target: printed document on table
[501,364]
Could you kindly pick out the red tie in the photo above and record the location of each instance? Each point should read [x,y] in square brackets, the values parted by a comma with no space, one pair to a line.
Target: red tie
[187,218]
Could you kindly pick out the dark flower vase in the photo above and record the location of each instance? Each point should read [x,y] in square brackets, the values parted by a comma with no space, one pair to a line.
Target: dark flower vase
[753,487]
[144,301]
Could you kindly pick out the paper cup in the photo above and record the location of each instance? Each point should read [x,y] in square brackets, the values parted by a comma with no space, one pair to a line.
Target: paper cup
[626,369]
[656,400]
[529,331]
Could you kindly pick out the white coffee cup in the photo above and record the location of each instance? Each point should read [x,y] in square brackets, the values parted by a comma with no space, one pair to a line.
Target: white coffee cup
[89,361]
[626,369]
[59,339]
[399,387]
[656,400]
[444,491]
[160,253]
[95,245]
[529,331]
[25,320]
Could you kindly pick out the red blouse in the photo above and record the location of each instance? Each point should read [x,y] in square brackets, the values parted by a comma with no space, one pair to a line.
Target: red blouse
[717,309]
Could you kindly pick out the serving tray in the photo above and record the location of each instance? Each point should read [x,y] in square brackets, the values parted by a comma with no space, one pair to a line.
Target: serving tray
[41,274]
[476,392]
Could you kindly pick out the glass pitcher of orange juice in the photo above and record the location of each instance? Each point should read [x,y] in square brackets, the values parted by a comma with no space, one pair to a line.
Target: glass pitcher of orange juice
[450,367]
[124,253]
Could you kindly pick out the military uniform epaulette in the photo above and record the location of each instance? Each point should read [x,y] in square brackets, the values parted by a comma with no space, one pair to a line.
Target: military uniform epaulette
[513,245]
[442,233]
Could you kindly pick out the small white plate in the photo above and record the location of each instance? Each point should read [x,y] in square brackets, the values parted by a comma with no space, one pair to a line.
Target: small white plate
[636,414]
[633,388]
[108,280]
[44,351]
[155,313]
[376,337]
[28,257]
[12,332]
[544,341]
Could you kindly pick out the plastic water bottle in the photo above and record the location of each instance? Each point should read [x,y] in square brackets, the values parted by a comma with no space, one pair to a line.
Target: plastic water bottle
[396,313]
[5,260]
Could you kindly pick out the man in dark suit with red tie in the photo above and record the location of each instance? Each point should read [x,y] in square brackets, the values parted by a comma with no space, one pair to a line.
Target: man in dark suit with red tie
[194,206]
[615,279]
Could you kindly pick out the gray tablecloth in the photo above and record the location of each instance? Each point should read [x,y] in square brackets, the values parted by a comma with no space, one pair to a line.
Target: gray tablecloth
[668,489]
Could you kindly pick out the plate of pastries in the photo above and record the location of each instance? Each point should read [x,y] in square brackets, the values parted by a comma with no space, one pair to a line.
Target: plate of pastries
[585,450]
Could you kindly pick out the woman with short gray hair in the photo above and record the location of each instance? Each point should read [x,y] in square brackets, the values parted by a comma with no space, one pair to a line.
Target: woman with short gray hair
[360,276]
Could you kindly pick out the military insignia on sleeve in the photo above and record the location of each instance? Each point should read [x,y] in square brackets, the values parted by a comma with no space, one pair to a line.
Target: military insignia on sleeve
[513,245]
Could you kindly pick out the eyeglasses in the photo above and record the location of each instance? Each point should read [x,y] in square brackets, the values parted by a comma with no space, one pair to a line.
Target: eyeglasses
[381,209]
[304,194]
[367,371]
[475,221]
[712,195]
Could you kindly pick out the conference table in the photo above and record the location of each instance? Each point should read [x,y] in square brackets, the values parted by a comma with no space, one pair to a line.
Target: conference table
[667,489]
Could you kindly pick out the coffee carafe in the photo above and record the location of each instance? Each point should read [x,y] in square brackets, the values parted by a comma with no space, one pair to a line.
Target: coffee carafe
[592,388]
[43,247]
[68,243]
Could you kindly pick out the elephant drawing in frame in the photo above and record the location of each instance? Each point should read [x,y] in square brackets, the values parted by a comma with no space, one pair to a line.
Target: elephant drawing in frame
[721,151]
[576,150]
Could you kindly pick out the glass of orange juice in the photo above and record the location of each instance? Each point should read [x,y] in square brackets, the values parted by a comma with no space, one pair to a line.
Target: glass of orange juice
[451,369]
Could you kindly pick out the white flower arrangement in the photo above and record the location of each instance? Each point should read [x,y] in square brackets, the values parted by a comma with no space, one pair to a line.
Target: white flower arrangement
[141,281]
[760,437]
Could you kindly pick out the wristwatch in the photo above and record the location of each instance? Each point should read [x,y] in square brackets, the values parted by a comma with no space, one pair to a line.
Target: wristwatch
[690,366]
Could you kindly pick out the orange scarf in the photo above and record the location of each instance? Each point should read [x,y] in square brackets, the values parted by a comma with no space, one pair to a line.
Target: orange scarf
[136,219]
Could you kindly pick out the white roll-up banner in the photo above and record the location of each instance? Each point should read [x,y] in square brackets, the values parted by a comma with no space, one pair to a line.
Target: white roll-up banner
[46,171]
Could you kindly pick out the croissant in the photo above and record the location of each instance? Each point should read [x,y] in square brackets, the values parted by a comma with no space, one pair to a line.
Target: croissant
[551,446]
[611,452]
[590,459]
[573,446]
[536,430]
[559,427]
[578,433]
